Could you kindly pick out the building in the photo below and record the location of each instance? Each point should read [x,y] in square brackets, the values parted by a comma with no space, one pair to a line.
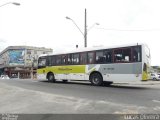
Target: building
[21,61]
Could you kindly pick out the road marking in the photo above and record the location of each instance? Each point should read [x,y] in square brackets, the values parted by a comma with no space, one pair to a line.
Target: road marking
[157,101]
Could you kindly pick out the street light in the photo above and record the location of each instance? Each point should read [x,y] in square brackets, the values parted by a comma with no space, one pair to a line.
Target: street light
[14,3]
[85,27]
[93,26]
[75,24]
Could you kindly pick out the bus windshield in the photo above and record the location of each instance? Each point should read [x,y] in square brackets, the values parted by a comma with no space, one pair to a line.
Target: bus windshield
[41,62]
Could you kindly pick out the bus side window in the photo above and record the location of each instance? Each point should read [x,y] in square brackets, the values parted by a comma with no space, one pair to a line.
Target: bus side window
[58,60]
[64,59]
[76,58]
[53,59]
[108,56]
[83,58]
[99,57]
[122,55]
[117,55]
[136,54]
[49,61]
[90,57]
[69,60]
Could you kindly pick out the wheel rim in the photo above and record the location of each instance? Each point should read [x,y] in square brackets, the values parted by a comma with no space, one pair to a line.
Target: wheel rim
[50,77]
[95,80]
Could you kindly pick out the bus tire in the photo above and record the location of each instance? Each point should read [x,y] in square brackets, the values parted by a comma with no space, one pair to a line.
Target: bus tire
[51,77]
[96,79]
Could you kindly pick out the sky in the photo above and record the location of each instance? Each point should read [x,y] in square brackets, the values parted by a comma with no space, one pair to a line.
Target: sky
[42,23]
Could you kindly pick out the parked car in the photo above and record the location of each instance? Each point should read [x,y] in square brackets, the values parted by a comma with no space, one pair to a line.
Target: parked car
[4,77]
[155,76]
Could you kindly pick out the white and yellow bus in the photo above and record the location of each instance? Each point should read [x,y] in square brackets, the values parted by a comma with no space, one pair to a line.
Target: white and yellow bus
[127,63]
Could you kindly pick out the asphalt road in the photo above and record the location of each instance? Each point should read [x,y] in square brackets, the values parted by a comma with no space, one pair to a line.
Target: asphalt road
[74,97]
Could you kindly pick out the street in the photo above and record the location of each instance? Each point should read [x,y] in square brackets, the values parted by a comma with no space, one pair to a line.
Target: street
[33,96]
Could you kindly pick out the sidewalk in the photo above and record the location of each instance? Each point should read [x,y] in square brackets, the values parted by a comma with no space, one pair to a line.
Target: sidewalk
[148,84]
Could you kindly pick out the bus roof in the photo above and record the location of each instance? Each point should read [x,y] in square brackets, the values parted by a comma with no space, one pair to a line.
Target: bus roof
[90,49]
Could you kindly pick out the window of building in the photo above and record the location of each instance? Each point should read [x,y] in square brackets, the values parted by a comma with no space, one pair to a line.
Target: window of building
[83,58]
[90,57]
[28,51]
[122,55]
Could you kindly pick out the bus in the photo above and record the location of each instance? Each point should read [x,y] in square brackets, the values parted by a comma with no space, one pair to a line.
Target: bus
[117,64]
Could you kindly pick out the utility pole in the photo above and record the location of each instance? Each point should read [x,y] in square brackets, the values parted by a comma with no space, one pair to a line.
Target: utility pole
[85,28]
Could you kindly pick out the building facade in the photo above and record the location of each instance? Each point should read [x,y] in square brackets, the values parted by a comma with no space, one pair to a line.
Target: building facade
[21,61]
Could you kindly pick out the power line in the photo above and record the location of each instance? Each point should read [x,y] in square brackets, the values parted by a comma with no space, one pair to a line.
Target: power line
[129,30]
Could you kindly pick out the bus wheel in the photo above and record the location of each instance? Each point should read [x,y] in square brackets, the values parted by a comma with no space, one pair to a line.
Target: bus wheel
[96,79]
[51,77]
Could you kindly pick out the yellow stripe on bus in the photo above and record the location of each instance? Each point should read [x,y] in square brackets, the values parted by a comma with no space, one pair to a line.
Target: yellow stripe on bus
[63,69]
